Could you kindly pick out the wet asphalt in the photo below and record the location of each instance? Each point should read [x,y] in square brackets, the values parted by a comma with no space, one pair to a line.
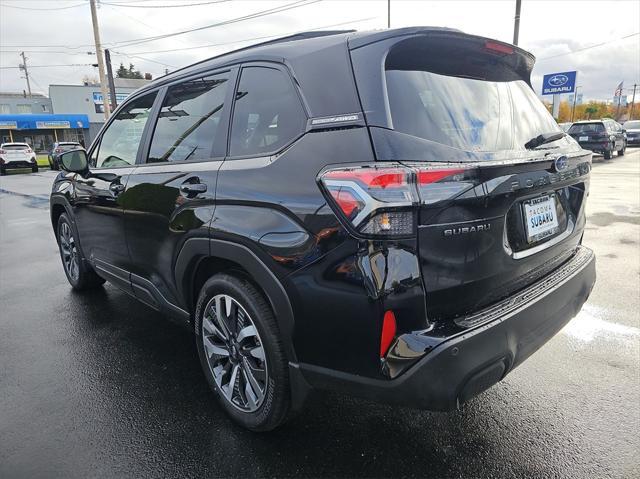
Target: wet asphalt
[99,385]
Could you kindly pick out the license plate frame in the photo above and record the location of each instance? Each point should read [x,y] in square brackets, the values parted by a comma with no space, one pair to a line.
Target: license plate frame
[544,209]
[583,138]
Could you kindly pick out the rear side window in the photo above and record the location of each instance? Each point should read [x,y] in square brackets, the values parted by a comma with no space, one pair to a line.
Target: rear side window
[587,128]
[189,120]
[267,113]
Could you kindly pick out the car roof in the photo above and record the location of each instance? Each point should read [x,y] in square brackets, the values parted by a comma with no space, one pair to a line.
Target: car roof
[319,62]
[14,143]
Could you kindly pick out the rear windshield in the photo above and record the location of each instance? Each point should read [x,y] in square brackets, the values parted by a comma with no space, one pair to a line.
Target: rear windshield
[15,147]
[632,125]
[587,128]
[465,113]
[68,146]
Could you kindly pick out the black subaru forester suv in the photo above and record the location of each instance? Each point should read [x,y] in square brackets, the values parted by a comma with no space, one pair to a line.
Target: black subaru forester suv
[393,214]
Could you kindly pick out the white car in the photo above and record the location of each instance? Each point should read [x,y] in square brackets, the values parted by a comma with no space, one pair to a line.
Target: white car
[17,155]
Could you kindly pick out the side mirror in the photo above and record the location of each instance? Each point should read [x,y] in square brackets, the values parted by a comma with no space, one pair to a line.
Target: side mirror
[75,161]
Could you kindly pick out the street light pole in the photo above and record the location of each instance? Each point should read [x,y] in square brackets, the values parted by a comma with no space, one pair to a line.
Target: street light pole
[96,37]
[388,13]
[516,25]
[633,100]
[575,95]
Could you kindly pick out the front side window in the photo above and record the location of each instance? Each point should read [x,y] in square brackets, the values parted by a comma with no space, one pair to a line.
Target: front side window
[267,113]
[120,141]
[189,119]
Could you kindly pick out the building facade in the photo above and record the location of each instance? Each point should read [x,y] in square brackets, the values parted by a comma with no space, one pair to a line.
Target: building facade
[41,132]
[22,104]
[87,99]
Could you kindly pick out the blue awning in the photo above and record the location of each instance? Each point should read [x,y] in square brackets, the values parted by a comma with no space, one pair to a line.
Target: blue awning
[43,122]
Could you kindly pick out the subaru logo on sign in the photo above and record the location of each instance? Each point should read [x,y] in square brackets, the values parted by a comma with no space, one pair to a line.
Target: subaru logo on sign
[558,80]
[558,83]
[561,163]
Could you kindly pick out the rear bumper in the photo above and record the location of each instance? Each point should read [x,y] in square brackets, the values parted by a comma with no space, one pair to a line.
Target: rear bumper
[18,164]
[466,363]
[598,147]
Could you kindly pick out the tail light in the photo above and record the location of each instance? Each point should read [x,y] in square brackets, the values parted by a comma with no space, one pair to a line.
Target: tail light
[57,150]
[381,201]
[29,150]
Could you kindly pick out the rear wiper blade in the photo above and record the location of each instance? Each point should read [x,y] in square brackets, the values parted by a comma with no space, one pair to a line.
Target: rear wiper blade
[543,138]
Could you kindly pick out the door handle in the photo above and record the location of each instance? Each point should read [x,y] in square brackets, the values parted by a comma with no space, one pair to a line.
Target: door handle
[193,188]
[116,188]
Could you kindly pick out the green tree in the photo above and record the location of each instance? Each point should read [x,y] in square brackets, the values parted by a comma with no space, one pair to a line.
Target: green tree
[131,72]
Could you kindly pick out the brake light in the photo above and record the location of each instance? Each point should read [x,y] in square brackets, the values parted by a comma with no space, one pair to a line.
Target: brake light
[381,200]
[376,200]
[495,47]
[57,150]
[29,150]
[388,332]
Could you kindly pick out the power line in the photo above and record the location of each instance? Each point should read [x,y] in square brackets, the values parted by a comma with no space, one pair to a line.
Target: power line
[51,66]
[179,5]
[6,5]
[589,47]
[136,41]
[254,38]
[291,6]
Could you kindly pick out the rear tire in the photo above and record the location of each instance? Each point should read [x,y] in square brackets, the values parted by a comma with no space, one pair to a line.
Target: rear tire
[621,152]
[607,155]
[79,273]
[248,371]
[3,172]
[34,169]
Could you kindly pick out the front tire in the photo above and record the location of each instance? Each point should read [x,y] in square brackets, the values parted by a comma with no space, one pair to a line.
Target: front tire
[241,352]
[79,274]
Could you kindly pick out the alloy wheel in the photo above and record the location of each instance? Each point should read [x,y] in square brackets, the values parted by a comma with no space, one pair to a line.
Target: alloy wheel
[235,353]
[69,252]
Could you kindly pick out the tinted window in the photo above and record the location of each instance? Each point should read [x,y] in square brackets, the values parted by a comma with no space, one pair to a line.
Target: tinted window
[188,121]
[120,141]
[587,128]
[465,113]
[267,113]
[15,147]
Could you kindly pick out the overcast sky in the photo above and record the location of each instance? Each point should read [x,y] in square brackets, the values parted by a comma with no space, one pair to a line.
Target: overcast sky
[58,32]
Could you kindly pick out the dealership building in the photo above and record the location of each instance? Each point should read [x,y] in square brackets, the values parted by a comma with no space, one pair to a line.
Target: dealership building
[71,113]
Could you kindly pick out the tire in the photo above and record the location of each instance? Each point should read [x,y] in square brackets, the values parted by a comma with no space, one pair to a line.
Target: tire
[79,273]
[3,172]
[624,148]
[34,169]
[267,402]
[607,155]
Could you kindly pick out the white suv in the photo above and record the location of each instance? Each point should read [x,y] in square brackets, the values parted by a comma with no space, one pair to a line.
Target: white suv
[17,155]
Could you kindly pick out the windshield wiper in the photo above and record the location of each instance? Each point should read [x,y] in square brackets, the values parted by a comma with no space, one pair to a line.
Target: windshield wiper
[543,138]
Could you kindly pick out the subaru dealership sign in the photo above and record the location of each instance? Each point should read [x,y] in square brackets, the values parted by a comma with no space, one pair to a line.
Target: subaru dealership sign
[558,83]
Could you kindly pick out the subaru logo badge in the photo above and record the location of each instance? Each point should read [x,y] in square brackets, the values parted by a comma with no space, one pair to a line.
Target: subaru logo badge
[558,80]
[561,163]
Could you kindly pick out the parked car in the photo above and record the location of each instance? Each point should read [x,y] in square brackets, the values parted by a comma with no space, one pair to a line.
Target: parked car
[339,210]
[17,155]
[632,128]
[600,136]
[565,126]
[59,148]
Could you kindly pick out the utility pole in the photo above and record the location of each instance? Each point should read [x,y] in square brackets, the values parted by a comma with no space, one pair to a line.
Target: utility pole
[388,13]
[516,25]
[23,67]
[112,85]
[633,100]
[96,37]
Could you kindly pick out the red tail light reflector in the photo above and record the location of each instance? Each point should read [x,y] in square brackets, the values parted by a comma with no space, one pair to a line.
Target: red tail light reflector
[346,201]
[426,177]
[388,332]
